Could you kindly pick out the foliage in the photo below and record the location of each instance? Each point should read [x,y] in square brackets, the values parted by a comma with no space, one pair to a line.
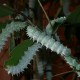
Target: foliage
[74,18]
[45,38]
[5,11]
[18,52]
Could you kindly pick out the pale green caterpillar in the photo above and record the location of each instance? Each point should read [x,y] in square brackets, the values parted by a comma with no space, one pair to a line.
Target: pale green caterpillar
[55,46]
[10,28]
[25,60]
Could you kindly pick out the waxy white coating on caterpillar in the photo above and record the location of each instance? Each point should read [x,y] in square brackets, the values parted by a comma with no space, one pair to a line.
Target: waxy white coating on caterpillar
[51,24]
[55,46]
[47,41]
[48,73]
[28,56]
[40,68]
[10,28]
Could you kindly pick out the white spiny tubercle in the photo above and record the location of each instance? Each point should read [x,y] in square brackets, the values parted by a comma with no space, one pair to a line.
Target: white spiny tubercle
[55,46]
[10,28]
[47,41]
[25,60]
[61,19]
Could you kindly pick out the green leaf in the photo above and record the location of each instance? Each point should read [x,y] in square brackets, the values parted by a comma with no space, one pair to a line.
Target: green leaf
[2,25]
[74,17]
[5,11]
[18,52]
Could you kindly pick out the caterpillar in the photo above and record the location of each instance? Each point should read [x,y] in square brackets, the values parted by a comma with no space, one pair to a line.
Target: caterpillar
[48,41]
[40,68]
[40,65]
[19,16]
[52,22]
[10,28]
[24,61]
[48,72]
[55,46]
[31,4]
[50,25]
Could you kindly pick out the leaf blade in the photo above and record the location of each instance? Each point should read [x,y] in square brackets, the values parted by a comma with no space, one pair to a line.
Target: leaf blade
[5,11]
[18,52]
[74,17]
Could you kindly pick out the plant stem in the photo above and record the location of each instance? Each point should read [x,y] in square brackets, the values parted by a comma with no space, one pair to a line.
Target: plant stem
[58,12]
[44,12]
[63,73]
